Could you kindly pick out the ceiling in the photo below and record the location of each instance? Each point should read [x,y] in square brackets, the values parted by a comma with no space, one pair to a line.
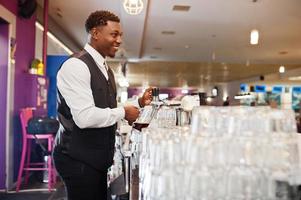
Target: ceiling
[210,43]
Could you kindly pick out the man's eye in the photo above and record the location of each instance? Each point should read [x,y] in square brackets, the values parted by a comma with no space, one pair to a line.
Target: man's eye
[114,35]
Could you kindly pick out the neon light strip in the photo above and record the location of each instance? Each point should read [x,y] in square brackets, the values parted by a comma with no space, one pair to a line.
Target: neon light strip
[55,39]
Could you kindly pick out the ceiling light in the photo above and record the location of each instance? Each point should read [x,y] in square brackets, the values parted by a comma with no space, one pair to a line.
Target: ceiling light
[254,37]
[295,78]
[187,46]
[133,7]
[133,60]
[184,91]
[214,91]
[168,32]
[209,99]
[181,8]
[244,96]
[281,69]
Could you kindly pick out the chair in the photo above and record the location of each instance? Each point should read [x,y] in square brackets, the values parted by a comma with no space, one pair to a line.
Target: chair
[25,164]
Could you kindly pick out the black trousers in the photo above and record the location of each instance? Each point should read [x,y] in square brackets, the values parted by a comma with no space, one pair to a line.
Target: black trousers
[82,182]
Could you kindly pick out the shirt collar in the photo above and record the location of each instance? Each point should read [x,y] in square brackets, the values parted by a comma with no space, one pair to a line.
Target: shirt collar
[95,55]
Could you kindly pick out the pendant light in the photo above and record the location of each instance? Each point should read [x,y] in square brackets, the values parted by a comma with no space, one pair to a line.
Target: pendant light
[281,69]
[133,7]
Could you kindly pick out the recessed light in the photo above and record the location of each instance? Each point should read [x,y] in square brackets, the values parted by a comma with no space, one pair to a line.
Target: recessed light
[187,46]
[181,8]
[283,52]
[254,37]
[168,32]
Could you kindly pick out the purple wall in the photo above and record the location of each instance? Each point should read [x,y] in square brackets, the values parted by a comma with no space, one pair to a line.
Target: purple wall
[10,5]
[25,36]
[3,91]
[25,39]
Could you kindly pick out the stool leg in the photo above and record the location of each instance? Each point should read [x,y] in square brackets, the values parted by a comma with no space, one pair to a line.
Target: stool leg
[23,156]
[49,166]
[53,167]
[27,161]
[53,173]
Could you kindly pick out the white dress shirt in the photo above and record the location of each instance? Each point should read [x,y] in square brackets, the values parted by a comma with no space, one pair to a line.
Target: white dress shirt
[73,82]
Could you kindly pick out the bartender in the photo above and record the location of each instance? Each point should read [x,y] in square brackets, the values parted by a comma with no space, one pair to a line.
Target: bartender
[88,112]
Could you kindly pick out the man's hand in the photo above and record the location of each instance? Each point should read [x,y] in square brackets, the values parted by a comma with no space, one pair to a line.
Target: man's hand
[131,114]
[146,98]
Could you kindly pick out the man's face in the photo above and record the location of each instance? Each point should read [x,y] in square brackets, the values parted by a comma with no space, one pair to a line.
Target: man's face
[107,39]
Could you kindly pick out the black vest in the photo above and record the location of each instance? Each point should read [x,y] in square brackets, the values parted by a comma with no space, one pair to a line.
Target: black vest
[93,146]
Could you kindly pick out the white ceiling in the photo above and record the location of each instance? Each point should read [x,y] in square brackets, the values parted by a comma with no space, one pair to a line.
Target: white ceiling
[221,27]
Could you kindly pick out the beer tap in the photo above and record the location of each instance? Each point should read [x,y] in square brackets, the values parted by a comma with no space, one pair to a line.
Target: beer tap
[156,102]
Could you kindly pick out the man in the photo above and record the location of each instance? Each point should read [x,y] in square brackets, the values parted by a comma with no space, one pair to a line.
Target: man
[87,111]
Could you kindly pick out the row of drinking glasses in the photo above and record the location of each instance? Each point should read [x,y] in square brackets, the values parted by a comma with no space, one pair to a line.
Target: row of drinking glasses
[225,163]
[236,183]
[241,121]
[180,163]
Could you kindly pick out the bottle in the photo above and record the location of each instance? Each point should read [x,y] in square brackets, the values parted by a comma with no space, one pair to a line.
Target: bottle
[34,66]
[40,69]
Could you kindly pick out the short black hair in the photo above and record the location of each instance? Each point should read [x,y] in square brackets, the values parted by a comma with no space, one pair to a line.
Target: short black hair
[100,18]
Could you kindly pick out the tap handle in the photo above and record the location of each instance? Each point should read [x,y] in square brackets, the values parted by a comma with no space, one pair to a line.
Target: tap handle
[155,92]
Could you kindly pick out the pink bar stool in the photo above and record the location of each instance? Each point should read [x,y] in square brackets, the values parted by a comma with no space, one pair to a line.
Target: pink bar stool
[25,164]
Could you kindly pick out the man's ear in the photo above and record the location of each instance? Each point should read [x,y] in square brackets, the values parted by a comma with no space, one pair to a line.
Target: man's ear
[94,33]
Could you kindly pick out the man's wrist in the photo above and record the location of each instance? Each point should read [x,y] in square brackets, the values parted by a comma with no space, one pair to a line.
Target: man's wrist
[140,102]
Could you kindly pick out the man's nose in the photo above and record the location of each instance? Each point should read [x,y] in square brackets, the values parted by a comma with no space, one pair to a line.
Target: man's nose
[119,40]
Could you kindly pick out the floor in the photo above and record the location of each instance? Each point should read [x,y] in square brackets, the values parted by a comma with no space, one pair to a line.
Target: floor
[285,192]
[35,182]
